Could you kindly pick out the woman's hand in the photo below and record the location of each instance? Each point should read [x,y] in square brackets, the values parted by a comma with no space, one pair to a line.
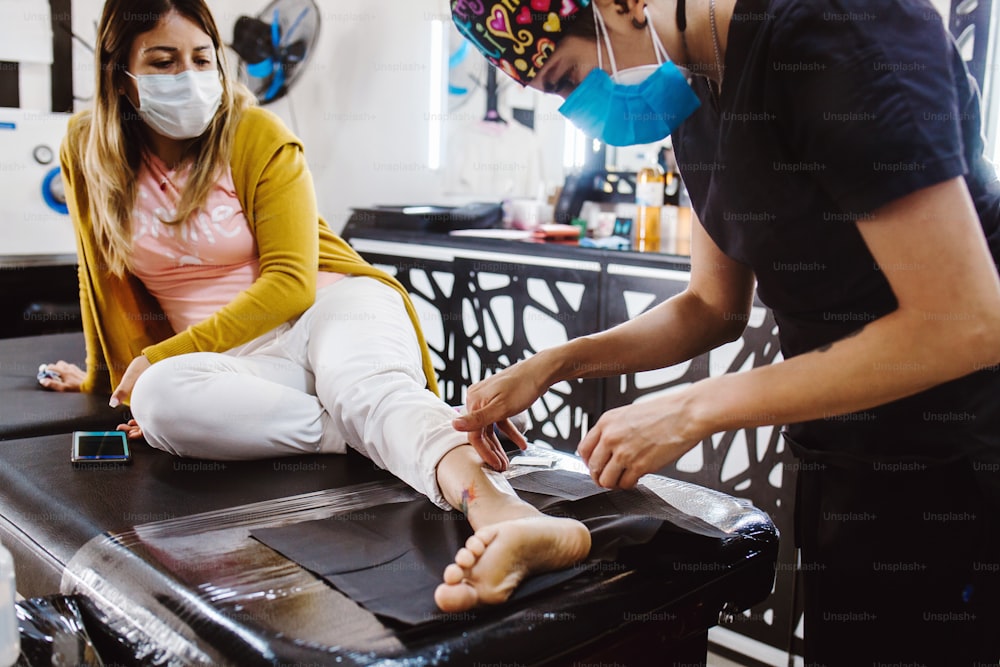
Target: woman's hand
[70,378]
[124,390]
[493,401]
[132,430]
[631,441]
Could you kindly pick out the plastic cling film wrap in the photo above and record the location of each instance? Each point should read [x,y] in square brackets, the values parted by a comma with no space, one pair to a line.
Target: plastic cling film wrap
[171,579]
[199,590]
[53,633]
[715,508]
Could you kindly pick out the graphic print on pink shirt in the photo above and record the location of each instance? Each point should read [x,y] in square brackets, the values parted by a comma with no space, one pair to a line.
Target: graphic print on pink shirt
[196,267]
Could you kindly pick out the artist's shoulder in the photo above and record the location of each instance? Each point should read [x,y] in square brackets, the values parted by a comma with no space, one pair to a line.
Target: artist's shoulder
[839,15]
[838,31]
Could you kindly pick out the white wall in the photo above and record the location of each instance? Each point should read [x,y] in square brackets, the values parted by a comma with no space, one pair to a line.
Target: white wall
[361,106]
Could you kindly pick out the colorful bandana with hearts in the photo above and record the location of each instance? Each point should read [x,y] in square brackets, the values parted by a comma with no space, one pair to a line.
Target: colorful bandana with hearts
[517,36]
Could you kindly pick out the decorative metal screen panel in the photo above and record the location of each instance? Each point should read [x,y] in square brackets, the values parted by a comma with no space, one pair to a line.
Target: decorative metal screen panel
[969,24]
[511,310]
[749,463]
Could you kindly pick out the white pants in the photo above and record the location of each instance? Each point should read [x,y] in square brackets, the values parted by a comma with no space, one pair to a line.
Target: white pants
[347,372]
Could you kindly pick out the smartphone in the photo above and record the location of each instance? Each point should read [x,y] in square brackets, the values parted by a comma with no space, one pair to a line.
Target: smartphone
[100,447]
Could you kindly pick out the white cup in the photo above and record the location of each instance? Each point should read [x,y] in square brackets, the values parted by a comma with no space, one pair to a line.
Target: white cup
[527,213]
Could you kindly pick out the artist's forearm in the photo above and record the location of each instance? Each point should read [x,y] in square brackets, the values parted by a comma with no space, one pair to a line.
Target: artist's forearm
[896,356]
[675,331]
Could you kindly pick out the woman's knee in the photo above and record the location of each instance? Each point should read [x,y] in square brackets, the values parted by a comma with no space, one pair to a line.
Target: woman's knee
[152,392]
[159,403]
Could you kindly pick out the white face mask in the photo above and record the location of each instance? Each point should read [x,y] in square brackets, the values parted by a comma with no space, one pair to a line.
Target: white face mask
[179,106]
[633,76]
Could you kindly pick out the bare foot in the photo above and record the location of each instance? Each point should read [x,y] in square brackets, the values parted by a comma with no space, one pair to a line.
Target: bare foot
[499,556]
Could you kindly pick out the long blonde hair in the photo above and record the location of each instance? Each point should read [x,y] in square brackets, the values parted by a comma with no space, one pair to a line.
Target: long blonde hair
[114,143]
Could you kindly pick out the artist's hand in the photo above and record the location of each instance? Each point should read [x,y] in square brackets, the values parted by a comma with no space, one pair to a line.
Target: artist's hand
[123,391]
[628,442]
[70,378]
[493,401]
[487,443]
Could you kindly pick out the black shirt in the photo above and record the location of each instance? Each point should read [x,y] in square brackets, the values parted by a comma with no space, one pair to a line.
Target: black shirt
[829,110]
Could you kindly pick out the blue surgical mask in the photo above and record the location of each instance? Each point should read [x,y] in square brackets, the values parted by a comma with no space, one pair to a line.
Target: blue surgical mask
[639,105]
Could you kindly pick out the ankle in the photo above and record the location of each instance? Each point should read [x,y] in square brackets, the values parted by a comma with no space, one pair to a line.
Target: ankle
[486,512]
[464,480]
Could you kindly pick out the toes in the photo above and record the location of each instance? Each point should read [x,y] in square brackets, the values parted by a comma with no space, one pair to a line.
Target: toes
[498,557]
[453,574]
[455,598]
[466,558]
[476,546]
[484,536]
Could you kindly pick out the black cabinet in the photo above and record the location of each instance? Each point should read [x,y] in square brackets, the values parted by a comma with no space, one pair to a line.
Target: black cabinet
[38,299]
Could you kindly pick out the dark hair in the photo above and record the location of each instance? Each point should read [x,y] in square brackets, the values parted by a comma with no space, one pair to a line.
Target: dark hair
[582,24]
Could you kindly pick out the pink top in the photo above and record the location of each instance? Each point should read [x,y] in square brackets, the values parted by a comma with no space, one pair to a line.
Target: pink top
[196,267]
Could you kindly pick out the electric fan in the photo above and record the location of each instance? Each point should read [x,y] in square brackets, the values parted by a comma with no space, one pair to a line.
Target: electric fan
[275,46]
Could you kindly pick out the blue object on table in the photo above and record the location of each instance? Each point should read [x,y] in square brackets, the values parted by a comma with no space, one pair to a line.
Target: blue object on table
[607,243]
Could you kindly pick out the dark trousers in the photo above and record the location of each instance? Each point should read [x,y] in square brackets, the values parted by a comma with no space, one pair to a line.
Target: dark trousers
[901,563]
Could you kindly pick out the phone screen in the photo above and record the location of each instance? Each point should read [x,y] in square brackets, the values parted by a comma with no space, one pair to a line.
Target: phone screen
[100,446]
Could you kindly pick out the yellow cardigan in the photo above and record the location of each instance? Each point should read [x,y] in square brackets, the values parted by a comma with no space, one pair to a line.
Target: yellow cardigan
[121,320]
